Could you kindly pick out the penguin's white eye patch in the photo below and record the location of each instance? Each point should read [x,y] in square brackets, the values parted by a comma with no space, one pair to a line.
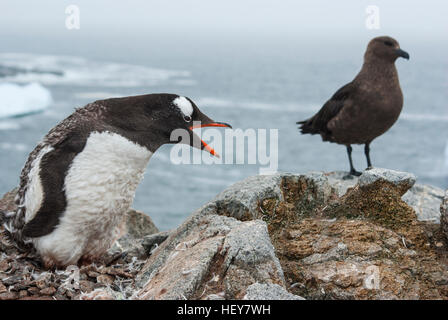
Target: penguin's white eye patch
[187,118]
[184,106]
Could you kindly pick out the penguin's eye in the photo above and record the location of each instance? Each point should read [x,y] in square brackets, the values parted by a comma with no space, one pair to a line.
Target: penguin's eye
[388,43]
[187,118]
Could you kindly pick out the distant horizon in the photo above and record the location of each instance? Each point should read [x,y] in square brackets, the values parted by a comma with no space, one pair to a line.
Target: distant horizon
[165,53]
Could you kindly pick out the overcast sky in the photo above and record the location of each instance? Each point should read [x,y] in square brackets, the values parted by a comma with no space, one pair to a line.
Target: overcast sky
[407,18]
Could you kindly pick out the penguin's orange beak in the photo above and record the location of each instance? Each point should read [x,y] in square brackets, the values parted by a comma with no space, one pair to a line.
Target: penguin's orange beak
[210,124]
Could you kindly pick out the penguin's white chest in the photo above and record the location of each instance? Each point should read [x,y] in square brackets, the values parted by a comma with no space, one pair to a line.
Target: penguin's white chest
[105,175]
[99,187]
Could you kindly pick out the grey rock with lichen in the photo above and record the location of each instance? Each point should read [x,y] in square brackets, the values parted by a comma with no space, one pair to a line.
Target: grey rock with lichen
[222,251]
[403,180]
[424,199]
[217,255]
[137,226]
[248,244]
[240,199]
[249,257]
[152,241]
[269,291]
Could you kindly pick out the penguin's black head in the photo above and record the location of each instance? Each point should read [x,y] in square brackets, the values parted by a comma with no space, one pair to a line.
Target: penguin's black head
[150,120]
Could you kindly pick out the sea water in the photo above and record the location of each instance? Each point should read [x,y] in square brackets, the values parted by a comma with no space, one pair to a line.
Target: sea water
[262,85]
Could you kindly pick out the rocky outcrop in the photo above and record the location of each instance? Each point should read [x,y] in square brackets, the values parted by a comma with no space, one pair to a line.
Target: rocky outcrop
[444,216]
[282,236]
[217,256]
[424,199]
[350,239]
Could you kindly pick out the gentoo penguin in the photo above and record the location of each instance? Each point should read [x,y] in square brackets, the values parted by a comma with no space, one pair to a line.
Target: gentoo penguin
[80,180]
[365,108]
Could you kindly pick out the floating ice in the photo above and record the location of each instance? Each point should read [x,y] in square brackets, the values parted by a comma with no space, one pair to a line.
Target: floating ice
[9,125]
[77,71]
[17,100]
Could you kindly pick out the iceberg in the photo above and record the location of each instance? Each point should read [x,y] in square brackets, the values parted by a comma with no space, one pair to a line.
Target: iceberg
[18,100]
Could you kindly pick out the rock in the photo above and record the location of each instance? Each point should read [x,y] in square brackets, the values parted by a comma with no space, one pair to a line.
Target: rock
[105,279]
[42,280]
[340,239]
[242,200]
[178,267]
[10,281]
[92,274]
[4,265]
[127,248]
[86,286]
[139,224]
[258,291]
[23,294]
[9,295]
[356,259]
[48,291]
[250,258]
[33,291]
[402,180]
[99,294]
[150,242]
[281,236]
[444,215]
[217,254]
[425,200]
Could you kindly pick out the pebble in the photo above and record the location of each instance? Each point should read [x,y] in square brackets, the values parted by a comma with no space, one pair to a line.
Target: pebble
[4,265]
[33,290]
[48,291]
[23,293]
[2,287]
[9,295]
[105,279]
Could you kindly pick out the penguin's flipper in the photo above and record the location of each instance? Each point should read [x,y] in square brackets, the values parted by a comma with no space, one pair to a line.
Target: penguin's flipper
[53,169]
